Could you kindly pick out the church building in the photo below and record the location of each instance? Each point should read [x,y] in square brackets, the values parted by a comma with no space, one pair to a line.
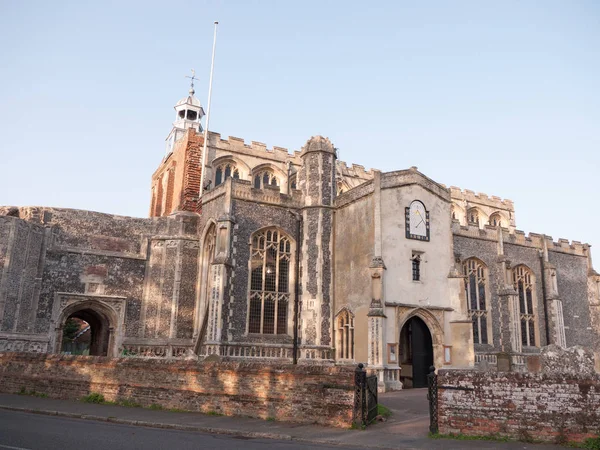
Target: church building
[257,253]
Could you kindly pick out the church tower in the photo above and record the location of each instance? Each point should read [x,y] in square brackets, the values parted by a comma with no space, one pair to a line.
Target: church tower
[176,181]
[189,112]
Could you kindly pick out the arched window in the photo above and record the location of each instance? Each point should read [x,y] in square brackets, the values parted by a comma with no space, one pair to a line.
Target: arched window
[523,283]
[345,335]
[473,216]
[265,178]
[477,301]
[225,171]
[496,220]
[208,256]
[453,213]
[270,263]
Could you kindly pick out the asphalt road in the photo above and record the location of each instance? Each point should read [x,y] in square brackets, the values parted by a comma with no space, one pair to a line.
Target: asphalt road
[25,431]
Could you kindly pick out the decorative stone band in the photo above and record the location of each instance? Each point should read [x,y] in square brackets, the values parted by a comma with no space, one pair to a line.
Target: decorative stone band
[267,351]
[156,351]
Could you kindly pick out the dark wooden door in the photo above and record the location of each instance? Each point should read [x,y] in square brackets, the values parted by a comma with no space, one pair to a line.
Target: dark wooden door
[422,352]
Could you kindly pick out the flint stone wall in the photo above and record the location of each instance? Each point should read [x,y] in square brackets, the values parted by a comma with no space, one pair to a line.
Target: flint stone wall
[305,394]
[561,403]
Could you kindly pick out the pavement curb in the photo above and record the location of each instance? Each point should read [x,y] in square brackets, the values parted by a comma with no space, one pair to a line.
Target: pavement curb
[211,430]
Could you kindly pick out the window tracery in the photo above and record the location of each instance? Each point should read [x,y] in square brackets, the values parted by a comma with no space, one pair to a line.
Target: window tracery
[345,335]
[496,220]
[524,285]
[224,171]
[270,262]
[476,293]
[264,178]
[473,216]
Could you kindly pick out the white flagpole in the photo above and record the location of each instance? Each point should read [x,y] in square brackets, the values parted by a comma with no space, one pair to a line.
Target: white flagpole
[212,66]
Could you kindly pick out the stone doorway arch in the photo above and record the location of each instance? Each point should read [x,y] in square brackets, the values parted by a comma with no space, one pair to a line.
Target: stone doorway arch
[100,330]
[416,351]
[429,329]
[104,315]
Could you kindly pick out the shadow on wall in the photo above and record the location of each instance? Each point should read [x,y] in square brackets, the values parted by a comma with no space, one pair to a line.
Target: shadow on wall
[305,394]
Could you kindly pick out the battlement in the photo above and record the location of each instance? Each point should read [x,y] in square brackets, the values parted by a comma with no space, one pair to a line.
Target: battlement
[255,148]
[534,240]
[355,170]
[481,198]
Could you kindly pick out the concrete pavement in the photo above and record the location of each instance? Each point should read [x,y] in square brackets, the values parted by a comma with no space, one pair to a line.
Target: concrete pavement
[406,429]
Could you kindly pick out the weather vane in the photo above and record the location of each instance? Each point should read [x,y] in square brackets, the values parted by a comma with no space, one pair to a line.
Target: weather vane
[193,77]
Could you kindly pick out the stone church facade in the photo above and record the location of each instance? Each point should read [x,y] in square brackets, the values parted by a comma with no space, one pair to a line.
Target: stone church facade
[296,257]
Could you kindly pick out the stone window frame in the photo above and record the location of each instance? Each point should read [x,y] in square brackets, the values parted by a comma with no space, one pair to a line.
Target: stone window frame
[207,255]
[344,335]
[522,273]
[480,271]
[417,264]
[288,296]
[474,216]
[234,172]
[496,220]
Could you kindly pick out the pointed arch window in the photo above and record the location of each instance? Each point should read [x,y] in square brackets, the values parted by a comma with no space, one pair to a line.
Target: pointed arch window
[224,171]
[496,220]
[473,216]
[476,279]
[270,264]
[524,285]
[265,178]
[345,335]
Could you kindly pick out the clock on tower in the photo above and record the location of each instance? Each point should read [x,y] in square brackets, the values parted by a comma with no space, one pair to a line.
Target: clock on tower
[417,221]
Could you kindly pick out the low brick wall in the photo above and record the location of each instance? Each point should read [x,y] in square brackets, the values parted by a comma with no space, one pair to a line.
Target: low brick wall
[551,407]
[302,393]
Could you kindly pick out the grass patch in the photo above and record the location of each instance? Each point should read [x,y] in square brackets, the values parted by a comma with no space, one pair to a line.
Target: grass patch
[464,437]
[32,393]
[94,397]
[156,407]
[589,444]
[383,411]
[270,419]
[214,413]
[129,403]
[356,426]
[177,410]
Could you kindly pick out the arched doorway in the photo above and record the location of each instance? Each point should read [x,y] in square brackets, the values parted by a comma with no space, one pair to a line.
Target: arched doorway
[416,352]
[99,331]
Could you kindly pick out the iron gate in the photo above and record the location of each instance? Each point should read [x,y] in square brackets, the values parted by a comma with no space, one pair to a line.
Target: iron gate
[365,396]
[432,396]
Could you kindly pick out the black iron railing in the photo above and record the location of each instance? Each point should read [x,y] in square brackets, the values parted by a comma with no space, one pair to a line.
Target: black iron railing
[432,396]
[365,397]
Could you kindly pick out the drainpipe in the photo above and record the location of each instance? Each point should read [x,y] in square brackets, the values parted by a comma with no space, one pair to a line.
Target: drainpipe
[546,321]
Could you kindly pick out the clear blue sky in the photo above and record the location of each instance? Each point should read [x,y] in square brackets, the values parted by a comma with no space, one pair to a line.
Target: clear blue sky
[497,97]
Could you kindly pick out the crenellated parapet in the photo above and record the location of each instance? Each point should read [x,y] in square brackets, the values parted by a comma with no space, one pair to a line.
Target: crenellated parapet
[518,237]
[471,207]
[480,198]
[237,145]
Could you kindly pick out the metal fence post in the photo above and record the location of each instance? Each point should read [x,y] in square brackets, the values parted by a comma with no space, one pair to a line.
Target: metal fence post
[360,400]
[432,396]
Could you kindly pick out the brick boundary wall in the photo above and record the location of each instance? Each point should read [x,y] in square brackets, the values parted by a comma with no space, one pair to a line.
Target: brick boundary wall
[296,393]
[525,406]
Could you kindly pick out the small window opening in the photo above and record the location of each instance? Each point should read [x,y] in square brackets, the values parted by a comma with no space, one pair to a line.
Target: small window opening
[182,113]
[192,115]
[416,266]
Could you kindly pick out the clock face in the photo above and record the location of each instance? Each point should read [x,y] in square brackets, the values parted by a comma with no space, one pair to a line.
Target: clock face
[417,221]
